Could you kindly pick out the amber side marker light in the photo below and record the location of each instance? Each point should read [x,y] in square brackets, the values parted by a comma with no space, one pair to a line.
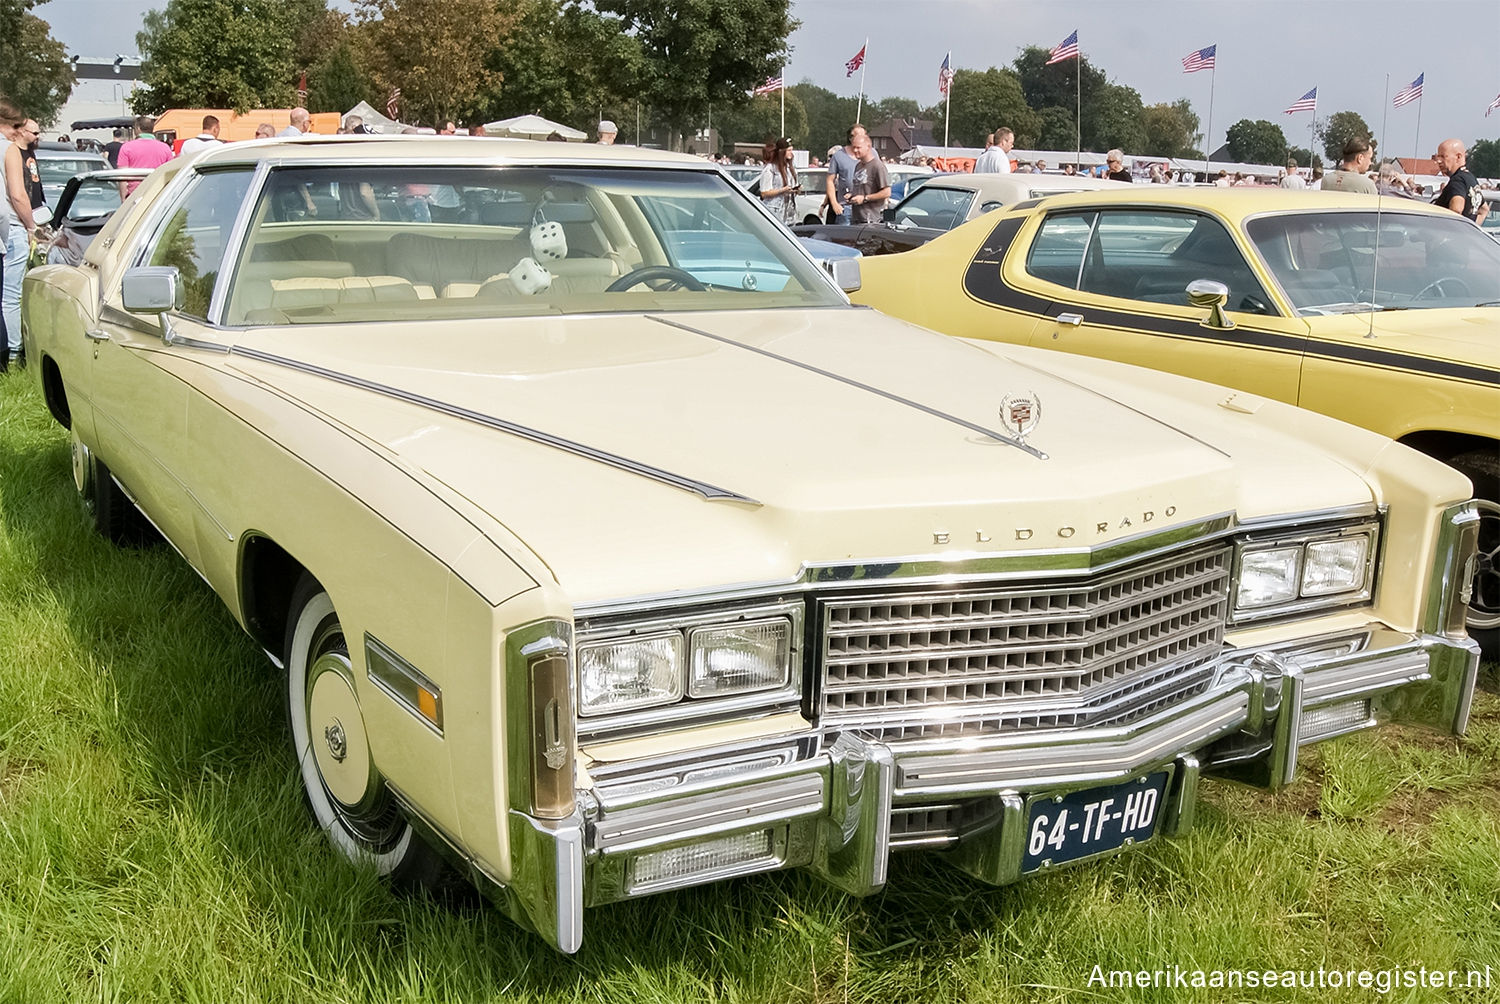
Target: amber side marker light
[404,683]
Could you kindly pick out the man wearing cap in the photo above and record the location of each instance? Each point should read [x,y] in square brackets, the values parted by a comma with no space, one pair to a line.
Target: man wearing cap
[607,133]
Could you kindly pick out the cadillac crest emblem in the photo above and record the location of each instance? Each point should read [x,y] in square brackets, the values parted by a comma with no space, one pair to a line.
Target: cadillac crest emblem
[1020,414]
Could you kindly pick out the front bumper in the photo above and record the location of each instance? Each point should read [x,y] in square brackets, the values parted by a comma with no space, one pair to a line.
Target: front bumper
[839,804]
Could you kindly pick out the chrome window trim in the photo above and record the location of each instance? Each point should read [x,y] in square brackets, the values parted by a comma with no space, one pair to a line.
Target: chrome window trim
[265,166]
[235,245]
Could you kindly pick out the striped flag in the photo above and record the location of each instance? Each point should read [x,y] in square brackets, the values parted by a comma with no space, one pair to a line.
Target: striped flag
[1203,59]
[393,103]
[945,74]
[1493,105]
[772,85]
[1307,103]
[1410,92]
[857,61]
[1064,50]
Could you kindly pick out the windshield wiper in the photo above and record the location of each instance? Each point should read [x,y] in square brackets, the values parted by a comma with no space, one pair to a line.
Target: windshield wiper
[1488,303]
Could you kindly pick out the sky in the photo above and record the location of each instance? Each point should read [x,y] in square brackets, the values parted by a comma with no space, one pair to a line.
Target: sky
[1358,53]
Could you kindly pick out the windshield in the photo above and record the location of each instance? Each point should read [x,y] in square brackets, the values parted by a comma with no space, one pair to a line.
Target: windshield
[337,244]
[931,206]
[57,170]
[95,197]
[1337,263]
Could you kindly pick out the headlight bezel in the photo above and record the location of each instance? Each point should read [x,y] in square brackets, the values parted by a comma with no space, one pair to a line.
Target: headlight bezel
[1302,601]
[785,693]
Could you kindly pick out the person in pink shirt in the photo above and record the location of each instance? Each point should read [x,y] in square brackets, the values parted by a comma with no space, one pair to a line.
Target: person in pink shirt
[144,151]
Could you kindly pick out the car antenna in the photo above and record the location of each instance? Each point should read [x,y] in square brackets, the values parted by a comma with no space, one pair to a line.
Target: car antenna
[1385,115]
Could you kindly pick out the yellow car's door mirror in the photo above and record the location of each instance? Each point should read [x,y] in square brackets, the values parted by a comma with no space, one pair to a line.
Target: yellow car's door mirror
[1213,295]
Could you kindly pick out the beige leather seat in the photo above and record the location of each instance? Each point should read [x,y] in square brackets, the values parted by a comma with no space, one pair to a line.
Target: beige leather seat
[435,262]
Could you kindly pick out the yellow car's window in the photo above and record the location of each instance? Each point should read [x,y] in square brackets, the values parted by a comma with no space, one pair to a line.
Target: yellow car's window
[414,242]
[1350,262]
[194,236]
[1153,256]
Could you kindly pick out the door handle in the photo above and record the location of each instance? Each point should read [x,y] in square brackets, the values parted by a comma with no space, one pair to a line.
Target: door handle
[1074,319]
[96,334]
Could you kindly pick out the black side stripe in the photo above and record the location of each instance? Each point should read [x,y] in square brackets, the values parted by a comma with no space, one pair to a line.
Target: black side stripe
[984,282]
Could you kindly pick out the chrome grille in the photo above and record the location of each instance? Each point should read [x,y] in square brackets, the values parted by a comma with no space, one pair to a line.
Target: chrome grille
[1104,650]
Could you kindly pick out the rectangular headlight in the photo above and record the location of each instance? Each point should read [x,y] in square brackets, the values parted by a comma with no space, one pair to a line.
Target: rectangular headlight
[634,672]
[739,658]
[1334,566]
[1268,576]
[1303,572]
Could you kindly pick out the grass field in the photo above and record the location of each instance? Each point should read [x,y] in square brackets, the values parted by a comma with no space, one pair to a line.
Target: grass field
[154,847]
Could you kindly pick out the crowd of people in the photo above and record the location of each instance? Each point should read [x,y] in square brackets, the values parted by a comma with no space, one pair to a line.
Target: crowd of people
[857,189]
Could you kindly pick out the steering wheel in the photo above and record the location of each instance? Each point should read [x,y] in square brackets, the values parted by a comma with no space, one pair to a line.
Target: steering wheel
[1437,285]
[652,273]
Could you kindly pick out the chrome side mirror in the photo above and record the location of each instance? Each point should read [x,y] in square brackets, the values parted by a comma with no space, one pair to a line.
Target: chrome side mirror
[1213,295]
[845,272]
[151,289]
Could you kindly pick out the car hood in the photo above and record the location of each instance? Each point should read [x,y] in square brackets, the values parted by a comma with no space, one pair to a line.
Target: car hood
[1464,334]
[541,423]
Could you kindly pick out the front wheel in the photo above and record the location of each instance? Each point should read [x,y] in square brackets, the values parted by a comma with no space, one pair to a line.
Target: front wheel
[344,789]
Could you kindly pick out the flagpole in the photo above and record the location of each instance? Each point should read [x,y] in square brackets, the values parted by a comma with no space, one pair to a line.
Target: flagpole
[948,100]
[859,107]
[1078,107]
[783,102]
[1416,143]
[1208,141]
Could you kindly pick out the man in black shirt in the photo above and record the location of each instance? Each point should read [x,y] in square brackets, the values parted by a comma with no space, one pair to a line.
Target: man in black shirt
[1461,194]
[112,150]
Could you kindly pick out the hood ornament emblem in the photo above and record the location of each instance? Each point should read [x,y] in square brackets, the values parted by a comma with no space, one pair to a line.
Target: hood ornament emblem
[1021,414]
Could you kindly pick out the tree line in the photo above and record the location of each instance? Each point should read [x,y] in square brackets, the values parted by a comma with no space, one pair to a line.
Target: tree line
[676,66]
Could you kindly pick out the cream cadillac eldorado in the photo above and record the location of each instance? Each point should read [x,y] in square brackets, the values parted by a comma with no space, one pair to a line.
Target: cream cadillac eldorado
[608,550]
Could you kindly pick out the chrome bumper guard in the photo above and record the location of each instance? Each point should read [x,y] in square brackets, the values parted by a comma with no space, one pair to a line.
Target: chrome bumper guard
[826,802]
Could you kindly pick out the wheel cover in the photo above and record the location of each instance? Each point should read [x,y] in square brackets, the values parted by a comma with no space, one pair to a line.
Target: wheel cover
[1484,602]
[344,788]
[337,732]
[83,466]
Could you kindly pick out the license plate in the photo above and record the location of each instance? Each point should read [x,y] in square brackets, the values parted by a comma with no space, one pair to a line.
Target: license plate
[1088,822]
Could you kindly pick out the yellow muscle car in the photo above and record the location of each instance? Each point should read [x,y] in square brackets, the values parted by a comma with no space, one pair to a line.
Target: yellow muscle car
[1380,312]
[607,549]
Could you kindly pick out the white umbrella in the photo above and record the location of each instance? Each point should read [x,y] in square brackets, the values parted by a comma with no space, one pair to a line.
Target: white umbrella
[531,127]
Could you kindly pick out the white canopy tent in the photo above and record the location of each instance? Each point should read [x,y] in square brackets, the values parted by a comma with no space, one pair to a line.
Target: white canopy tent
[533,127]
[375,120]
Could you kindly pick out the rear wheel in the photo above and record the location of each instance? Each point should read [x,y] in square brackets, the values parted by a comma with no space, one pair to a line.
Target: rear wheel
[344,789]
[115,517]
[1483,468]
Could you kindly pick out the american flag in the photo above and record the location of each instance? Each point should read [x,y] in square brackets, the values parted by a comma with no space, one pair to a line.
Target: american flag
[1493,105]
[1203,59]
[857,61]
[1410,92]
[1307,103]
[945,74]
[393,103]
[1066,49]
[771,85]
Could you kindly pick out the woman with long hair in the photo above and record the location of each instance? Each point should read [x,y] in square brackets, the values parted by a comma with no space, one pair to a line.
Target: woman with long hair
[778,182]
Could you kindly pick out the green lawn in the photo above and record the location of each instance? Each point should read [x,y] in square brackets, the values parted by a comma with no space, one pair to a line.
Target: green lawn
[153,844]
